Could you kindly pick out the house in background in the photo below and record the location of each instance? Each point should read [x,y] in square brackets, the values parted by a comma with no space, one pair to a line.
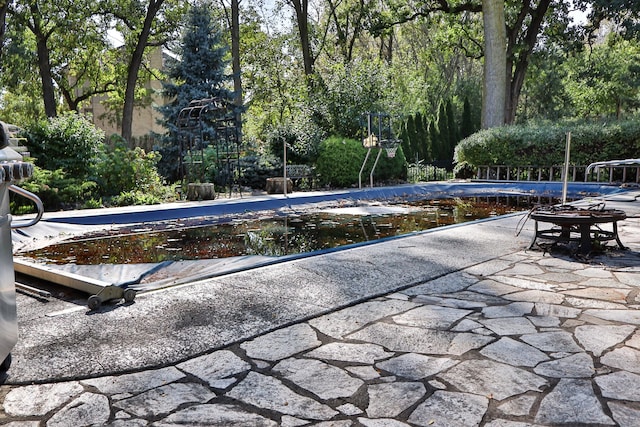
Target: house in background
[145,119]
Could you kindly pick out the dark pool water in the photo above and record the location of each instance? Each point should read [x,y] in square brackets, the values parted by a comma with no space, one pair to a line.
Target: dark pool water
[273,235]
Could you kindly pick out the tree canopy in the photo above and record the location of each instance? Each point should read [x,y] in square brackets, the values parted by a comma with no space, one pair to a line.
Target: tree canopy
[314,67]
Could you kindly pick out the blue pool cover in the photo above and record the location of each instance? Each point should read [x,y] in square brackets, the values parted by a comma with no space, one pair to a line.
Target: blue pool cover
[425,191]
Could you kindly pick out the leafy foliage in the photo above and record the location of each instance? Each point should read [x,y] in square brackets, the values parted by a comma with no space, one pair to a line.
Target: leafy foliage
[302,136]
[199,74]
[56,189]
[92,174]
[122,170]
[544,144]
[349,92]
[69,142]
[256,168]
[605,80]
[340,159]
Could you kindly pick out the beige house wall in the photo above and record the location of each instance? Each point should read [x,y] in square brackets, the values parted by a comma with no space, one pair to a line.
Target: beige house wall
[144,119]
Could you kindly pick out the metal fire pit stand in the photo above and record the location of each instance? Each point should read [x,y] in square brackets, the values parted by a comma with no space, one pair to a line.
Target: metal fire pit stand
[12,169]
[577,225]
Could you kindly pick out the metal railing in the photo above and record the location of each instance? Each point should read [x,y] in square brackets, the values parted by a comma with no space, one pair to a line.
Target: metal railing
[616,172]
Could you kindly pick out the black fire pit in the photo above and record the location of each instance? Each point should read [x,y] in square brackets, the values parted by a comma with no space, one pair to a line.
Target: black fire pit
[573,224]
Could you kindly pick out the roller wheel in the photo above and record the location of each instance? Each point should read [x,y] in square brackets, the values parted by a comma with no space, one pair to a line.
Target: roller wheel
[6,363]
[94,302]
[129,295]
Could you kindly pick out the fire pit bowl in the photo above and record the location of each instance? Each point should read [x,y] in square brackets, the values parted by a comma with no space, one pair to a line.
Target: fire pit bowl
[574,224]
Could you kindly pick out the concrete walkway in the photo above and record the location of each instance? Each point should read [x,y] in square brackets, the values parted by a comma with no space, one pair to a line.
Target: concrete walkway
[457,327]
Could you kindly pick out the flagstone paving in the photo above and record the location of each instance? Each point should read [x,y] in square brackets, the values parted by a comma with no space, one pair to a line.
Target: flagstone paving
[526,339]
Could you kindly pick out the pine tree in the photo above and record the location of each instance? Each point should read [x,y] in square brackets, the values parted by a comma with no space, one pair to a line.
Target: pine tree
[428,143]
[466,127]
[452,131]
[406,143]
[198,74]
[411,133]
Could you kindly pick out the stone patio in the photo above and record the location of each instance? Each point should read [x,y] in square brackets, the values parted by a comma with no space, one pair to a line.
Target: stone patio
[525,338]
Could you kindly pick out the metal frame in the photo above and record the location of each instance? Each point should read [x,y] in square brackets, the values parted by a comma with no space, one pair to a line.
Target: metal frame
[383,139]
[100,291]
[203,116]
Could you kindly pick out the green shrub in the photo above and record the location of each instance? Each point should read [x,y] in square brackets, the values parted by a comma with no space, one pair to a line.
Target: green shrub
[340,159]
[122,170]
[135,197]
[56,190]
[256,168]
[543,144]
[302,136]
[69,142]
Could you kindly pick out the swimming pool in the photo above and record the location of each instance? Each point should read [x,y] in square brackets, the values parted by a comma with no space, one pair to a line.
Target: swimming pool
[278,215]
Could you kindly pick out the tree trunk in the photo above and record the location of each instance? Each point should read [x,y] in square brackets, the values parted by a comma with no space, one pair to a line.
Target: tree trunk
[44,63]
[301,8]
[518,63]
[235,54]
[494,88]
[44,67]
[134,68]
[4,7]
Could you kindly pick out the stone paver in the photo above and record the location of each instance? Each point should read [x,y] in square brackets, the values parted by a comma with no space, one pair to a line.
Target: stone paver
[525,339]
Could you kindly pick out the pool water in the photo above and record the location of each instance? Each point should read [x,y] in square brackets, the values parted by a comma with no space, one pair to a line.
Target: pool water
[276,234]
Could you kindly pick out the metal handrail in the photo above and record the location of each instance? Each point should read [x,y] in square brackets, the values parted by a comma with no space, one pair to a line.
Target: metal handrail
[35,199]
[627,162]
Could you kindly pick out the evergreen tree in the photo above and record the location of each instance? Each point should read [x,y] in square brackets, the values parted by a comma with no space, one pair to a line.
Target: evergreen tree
[452,131]
[466,127]
[406,143]
[420,135]
[411,133]
[443,134]
[198,74]
[428,144]
[434,136]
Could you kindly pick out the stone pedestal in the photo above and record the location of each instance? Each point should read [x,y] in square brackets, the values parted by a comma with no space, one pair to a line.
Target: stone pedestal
[276,185]
[204,191]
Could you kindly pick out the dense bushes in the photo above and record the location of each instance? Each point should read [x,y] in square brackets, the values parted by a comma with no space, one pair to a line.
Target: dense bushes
[129,177]
[340,159]
[56,190]
[75,168]
[543,144]
[256,168]
[69,142]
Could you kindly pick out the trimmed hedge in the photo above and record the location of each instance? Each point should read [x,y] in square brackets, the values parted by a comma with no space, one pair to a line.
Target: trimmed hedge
[340,159]
[544,144]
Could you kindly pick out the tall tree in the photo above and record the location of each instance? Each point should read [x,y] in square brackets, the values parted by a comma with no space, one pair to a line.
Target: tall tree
[494,88]
[524,20]
[301,10]
[69,43]
[233,21]
[523,35]
[38,19]
[199,74]
[4,7]
[625,13]
[145,24]
[347,18]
